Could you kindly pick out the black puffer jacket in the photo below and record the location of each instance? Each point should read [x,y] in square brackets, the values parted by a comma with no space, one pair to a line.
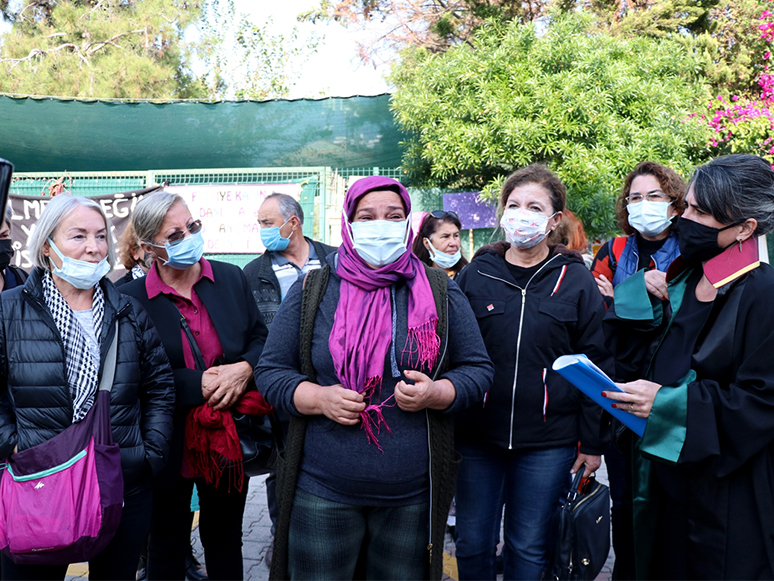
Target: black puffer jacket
[558,313]
[36,400]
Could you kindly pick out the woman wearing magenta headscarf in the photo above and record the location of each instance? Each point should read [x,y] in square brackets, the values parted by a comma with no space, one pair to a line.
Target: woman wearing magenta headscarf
[395,351]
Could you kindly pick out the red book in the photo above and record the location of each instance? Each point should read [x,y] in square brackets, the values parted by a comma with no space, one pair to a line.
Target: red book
[733,262]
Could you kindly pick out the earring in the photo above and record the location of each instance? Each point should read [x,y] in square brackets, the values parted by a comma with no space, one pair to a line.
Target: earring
[740,245]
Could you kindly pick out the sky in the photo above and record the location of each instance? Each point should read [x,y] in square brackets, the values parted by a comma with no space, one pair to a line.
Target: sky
[335,70]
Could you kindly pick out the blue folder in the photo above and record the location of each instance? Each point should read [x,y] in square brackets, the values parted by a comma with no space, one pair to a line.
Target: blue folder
[591,380]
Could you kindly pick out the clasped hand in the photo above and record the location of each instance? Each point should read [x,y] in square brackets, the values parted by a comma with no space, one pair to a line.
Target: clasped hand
[344,405]
[423,393]
[222,386]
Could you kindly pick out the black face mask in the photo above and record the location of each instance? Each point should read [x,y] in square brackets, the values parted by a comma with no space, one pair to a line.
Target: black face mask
[6,253]
[699,243]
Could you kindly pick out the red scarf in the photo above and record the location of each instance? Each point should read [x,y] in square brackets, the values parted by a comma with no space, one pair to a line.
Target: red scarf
[212,443]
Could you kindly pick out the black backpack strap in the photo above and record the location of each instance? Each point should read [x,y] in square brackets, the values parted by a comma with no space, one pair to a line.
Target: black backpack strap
[439,285]
[444,458]
[315,285]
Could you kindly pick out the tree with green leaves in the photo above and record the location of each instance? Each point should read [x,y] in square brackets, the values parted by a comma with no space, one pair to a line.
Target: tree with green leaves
[587,103]
[244,60]
[145,49]
[435,25]
[99,48]
[723,33]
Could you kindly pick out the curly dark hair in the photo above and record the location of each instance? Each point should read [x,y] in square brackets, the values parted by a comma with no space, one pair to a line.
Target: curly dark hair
[429,227]
[671,184]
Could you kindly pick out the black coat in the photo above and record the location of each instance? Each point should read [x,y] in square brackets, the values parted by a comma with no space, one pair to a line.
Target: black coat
[37,404]
[723,433]
[559,318]
[240,329]
[264,283]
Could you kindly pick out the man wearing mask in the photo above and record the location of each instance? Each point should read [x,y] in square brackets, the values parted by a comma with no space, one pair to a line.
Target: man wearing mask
[289,256]
[12,276]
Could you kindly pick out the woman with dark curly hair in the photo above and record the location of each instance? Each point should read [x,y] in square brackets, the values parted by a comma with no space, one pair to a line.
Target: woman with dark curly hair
[438,242]
[651,200]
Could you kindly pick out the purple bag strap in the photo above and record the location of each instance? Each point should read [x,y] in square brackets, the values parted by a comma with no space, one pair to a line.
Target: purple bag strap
[109,369]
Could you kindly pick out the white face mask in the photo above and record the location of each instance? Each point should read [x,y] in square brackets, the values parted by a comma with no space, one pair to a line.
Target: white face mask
[379,242]
[443,259]
[524,229]
[649,218]
[79,273]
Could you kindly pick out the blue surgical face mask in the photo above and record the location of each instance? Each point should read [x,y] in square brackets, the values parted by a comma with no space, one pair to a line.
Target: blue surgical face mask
[379,242]
[443,259]
[79,273]
[273,240]
[185,253]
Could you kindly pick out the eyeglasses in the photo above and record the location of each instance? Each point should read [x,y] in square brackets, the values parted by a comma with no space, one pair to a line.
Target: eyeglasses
[438,214]
[177,236]
[654,196]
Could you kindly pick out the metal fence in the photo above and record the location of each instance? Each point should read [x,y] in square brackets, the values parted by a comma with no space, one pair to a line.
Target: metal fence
[322,192]
[322,188]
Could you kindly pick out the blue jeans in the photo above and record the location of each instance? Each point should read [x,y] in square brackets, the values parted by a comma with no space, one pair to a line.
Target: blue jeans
[327,538]
[529,483]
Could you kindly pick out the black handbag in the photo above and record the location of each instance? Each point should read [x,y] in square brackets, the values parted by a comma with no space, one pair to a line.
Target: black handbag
[260,437]
[583,535]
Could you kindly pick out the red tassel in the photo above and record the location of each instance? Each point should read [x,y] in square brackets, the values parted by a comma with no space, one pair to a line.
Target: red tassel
[212,443]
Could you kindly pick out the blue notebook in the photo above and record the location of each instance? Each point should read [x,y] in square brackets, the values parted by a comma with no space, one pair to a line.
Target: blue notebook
[591,380]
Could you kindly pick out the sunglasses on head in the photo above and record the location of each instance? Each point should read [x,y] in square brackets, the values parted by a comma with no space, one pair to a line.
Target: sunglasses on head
[438,214]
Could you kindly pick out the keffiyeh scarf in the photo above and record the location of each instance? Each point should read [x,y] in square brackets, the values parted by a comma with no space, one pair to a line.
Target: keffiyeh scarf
[82,366]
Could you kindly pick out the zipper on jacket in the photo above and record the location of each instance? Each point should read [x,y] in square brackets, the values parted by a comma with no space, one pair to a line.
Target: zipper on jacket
[518,337]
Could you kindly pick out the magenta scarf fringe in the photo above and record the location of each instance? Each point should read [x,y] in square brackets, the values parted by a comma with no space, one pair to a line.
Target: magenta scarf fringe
[362,325]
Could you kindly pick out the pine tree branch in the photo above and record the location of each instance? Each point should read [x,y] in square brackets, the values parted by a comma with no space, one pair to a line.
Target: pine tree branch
[82,52]
[96,6]
[94,47]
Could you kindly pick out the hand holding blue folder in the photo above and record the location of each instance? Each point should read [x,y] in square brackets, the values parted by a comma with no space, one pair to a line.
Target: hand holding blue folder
[591,380]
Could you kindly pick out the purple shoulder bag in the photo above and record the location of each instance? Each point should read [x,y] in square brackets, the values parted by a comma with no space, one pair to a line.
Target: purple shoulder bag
[61,501]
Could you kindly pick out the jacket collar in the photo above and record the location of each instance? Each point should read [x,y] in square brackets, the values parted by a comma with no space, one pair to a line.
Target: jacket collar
[487,253]
[501,247]
[115,302]
[266,272]
[34,286]
[726,267]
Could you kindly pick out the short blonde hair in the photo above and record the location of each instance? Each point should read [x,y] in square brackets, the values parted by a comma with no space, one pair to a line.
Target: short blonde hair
[149,213]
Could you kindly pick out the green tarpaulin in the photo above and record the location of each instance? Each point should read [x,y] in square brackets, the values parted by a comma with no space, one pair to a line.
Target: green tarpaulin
[39,135]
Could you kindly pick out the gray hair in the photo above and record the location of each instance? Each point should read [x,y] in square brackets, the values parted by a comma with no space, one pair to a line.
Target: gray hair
[734,188]
[287,207]
[8,214]
[149,214]
[54,213]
